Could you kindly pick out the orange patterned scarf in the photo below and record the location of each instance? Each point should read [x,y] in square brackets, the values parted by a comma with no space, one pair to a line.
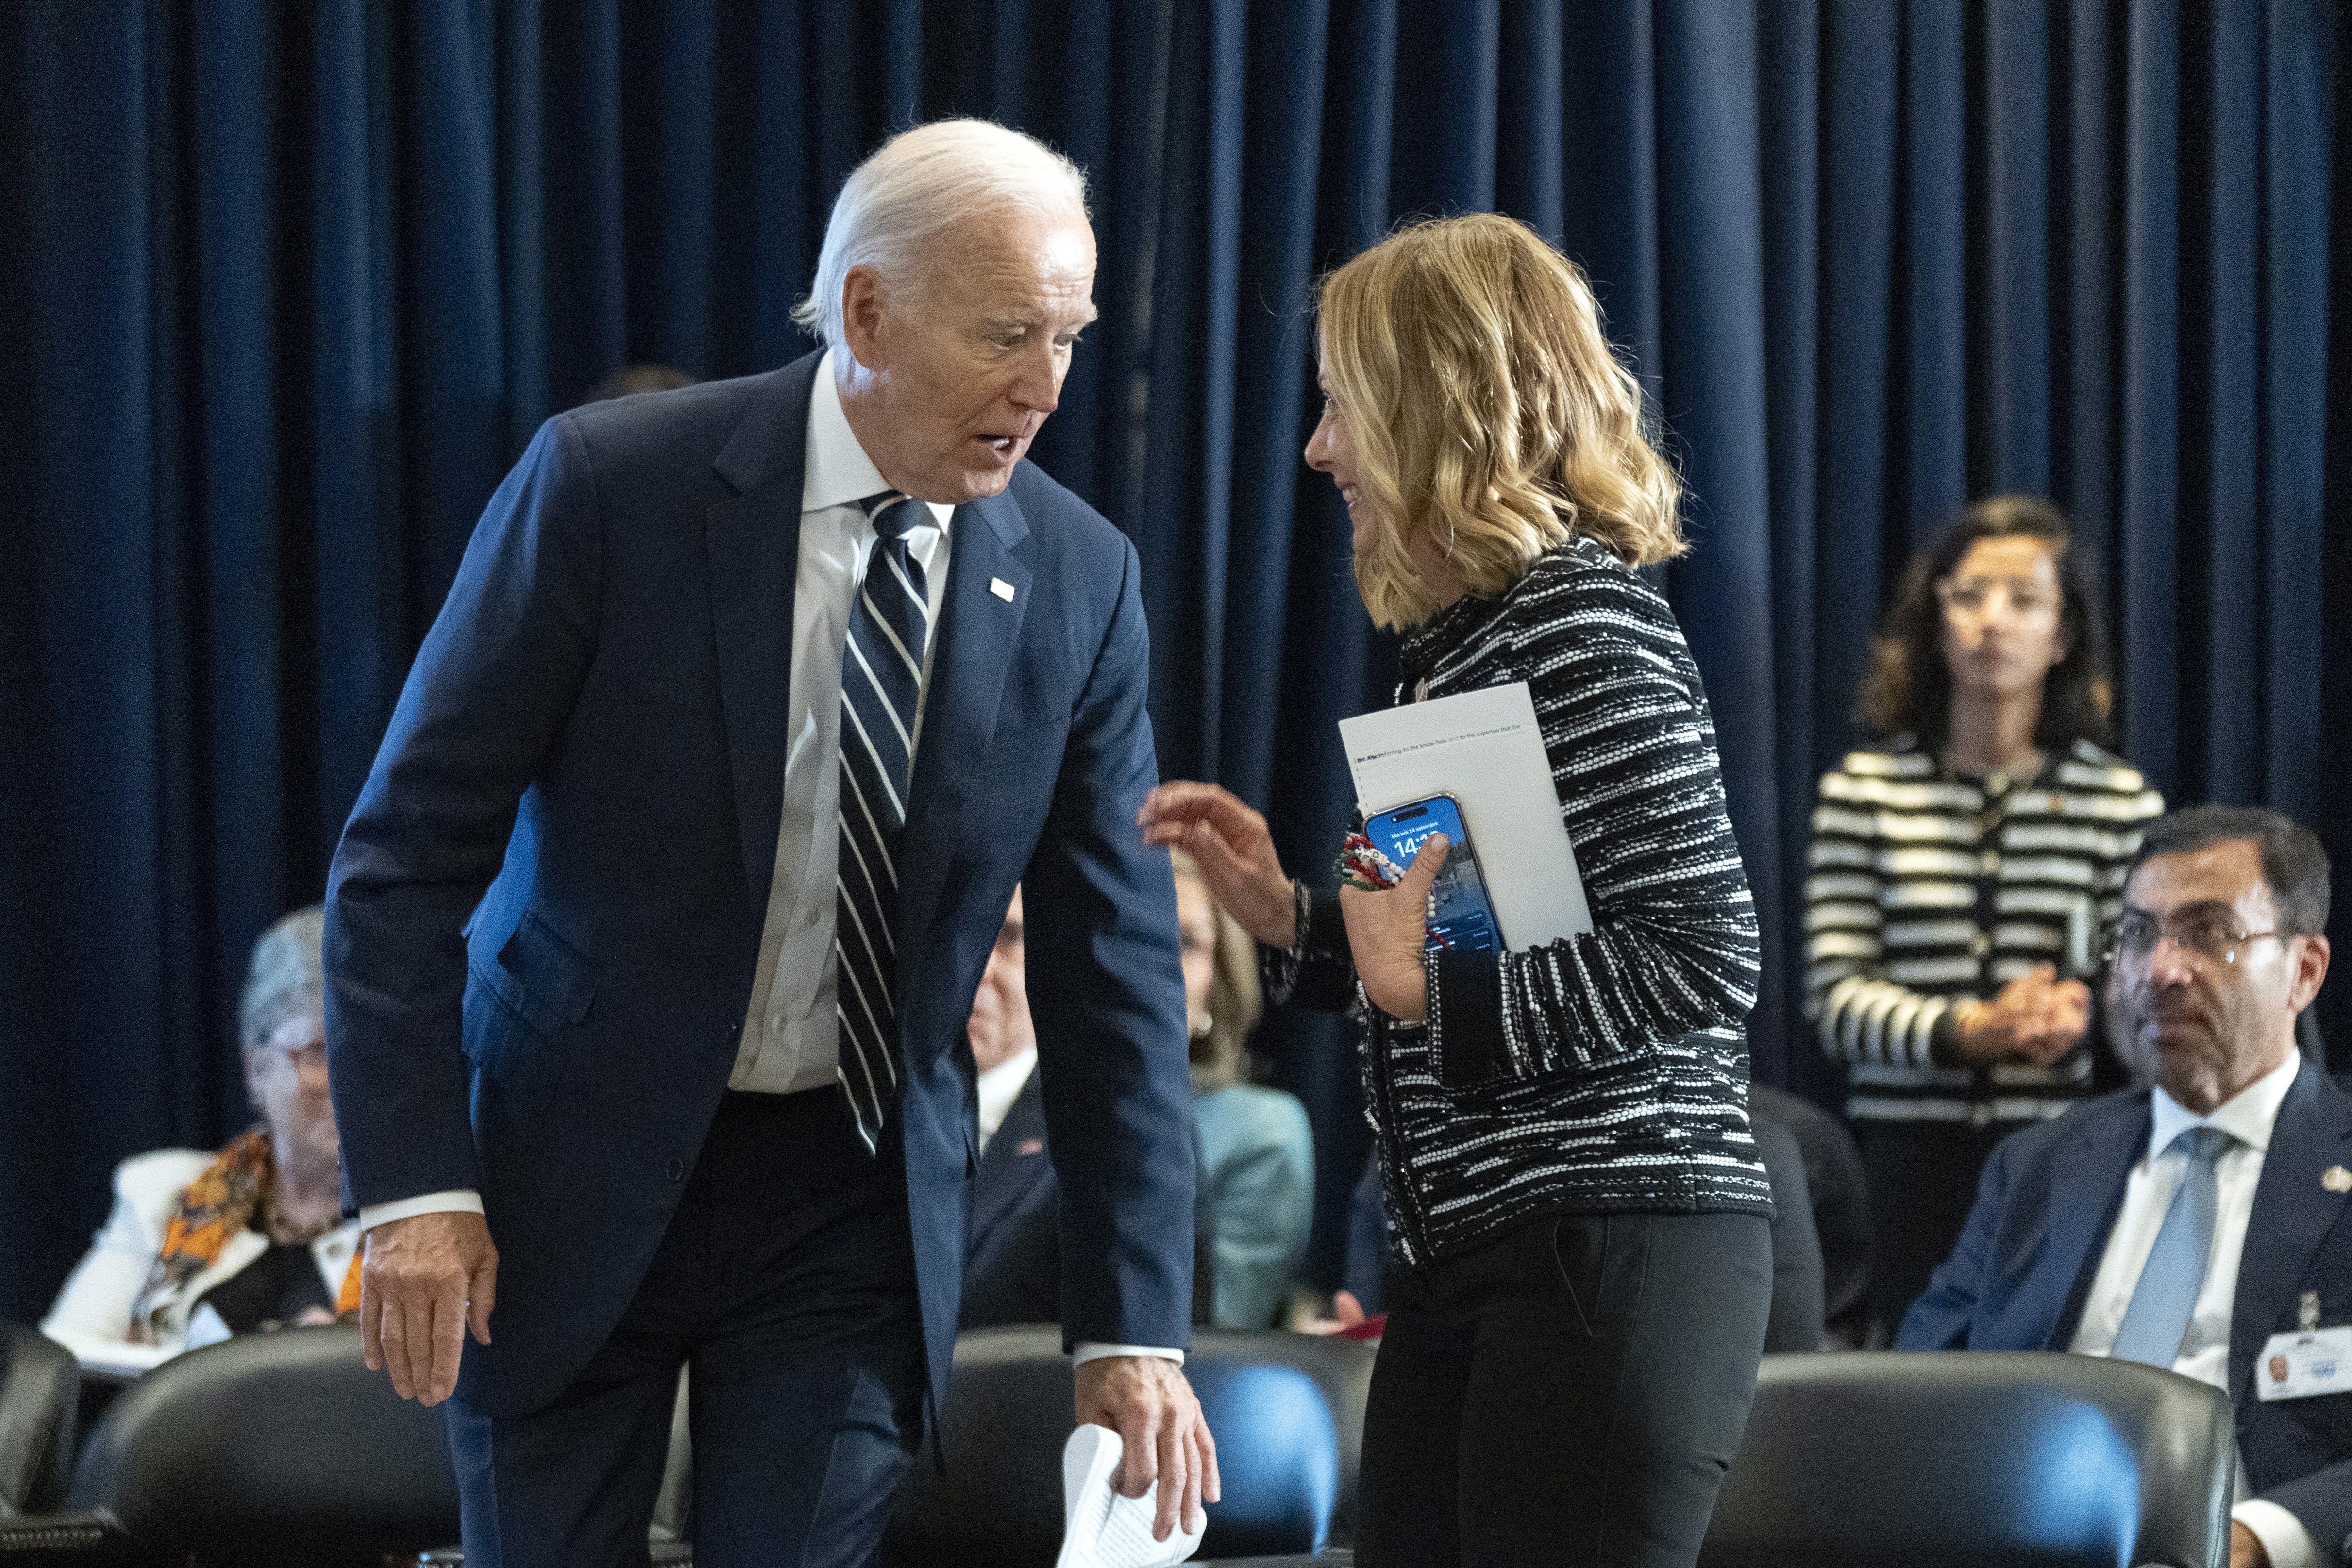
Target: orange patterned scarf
[213,1209]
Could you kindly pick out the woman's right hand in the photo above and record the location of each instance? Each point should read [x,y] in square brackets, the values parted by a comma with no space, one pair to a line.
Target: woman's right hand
[1234,850]
[2037,1018]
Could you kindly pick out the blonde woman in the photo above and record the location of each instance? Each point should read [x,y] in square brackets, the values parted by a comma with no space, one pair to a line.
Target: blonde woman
[1258,1151]
[1582,1261]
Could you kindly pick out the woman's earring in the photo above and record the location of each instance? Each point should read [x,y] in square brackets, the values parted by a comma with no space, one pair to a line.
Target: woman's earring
[1201,1023]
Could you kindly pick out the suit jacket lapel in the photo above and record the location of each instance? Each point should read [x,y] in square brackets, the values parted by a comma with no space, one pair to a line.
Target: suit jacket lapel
[752,539]
[979,629]
[2291,1214]
[2097,1163]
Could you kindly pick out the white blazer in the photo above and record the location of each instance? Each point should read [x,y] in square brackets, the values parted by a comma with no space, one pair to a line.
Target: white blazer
[91,1316]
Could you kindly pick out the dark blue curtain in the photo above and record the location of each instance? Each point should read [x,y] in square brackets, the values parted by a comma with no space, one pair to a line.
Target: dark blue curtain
[290,285]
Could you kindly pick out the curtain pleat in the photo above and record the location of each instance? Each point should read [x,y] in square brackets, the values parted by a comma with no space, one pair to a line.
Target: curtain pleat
[294,285]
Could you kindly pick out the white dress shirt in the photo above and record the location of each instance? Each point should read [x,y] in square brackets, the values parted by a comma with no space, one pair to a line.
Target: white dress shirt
[999,1086]
[789,1036]
[2247,1117]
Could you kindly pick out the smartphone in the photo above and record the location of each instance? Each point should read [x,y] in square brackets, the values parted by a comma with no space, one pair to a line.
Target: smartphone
[1461,915]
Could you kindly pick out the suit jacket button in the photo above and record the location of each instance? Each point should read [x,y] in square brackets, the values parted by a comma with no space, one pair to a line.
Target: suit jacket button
[676,1169]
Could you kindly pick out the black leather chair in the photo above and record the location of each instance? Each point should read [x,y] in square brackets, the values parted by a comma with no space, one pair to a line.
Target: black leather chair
[1928,1460]
[40,1388]
[268,1448]
[1287,1411]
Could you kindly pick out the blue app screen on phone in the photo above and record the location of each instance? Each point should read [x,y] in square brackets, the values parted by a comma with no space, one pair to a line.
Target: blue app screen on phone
[1461,916]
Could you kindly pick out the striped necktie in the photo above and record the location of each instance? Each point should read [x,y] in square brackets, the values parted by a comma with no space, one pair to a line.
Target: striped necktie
[2165,1297]
[881,677]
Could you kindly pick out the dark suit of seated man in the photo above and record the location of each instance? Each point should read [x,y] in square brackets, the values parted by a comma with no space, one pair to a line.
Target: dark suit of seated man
[1012,1254]
[2199,1225]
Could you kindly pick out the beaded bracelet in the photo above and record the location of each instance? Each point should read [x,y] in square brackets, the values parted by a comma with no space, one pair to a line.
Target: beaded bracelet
[1362,865]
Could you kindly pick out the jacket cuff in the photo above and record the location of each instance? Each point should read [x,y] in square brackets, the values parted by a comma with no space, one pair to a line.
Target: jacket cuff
[1465,992]
[1944,1039]
[1087,1350]
[453,1202]
[1315,971]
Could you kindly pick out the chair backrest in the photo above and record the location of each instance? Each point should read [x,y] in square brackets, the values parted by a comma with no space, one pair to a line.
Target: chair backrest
[272,1446]
[1287,1411]
[1929,1459]
[40,1387]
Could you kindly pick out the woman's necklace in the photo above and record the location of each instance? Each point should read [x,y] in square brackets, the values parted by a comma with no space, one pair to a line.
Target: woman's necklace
[1997,780]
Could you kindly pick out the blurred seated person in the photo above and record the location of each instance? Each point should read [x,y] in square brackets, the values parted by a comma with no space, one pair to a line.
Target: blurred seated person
[2202,1224]
[1840,1206]
[1797,1322]
[1257,1150]
[200,1246]
[1013,1253]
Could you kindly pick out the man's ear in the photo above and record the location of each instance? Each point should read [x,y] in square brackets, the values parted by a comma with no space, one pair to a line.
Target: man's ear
[2311,969]
[863,306]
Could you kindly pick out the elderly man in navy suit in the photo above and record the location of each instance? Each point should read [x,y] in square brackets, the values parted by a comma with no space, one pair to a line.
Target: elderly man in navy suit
[2201,1225]
[652,935]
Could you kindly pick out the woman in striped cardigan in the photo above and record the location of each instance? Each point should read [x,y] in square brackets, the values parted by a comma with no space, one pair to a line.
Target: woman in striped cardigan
[1581,1263]
[1961,875]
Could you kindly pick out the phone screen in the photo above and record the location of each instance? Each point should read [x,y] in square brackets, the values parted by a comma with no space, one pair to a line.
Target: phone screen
[1461,915]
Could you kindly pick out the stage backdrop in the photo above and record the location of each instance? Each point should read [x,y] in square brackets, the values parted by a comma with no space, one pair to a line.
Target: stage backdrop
[289,285]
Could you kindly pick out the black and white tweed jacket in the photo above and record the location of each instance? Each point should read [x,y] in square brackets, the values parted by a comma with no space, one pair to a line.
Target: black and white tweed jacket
[1607,1072]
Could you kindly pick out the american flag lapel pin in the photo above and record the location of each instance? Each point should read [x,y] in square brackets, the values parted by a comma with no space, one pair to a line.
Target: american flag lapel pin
[1002,589]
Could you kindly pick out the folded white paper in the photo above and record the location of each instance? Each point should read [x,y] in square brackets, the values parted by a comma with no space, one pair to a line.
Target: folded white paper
[1101,1529]
[1486,749]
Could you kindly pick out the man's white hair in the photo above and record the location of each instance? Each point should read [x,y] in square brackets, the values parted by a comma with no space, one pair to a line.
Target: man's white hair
[895,206]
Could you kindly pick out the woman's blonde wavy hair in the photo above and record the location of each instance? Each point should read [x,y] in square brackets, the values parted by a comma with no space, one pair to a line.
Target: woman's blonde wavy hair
[1488,411]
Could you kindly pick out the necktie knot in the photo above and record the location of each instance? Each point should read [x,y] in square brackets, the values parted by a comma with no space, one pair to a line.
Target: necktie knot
[891,518]
[2203,1146]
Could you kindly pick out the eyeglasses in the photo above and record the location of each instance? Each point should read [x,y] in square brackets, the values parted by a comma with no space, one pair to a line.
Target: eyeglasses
[2209,934]
[1967,597]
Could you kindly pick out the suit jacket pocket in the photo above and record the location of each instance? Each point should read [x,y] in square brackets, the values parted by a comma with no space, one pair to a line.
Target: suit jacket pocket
[541,977]
[538,989]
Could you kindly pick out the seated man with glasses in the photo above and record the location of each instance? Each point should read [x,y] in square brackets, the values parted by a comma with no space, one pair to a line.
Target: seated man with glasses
[2200,1223]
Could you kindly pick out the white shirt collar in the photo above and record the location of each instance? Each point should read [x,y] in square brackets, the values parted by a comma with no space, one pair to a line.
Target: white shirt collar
[837,472]
[2246,1116]
[1001,1085]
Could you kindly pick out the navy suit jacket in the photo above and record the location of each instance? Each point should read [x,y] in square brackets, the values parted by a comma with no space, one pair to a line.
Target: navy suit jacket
[2025,1264]
[1012,1264]
[544,915]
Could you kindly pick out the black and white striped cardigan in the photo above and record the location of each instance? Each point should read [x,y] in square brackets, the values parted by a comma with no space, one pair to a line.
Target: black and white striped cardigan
[1607,1072]
[1925,887]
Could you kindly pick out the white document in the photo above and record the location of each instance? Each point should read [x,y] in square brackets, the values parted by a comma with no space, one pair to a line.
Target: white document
[1486,749]
[1101,1529]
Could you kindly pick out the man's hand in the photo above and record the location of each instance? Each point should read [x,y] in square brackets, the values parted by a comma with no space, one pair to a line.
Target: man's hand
[2037,1018]
[425,1281]
[2246,1547]
[1163,1435]
[1231,845]
[1386,932]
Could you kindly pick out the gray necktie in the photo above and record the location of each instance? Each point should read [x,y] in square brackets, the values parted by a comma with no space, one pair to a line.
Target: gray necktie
[2166,1296]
